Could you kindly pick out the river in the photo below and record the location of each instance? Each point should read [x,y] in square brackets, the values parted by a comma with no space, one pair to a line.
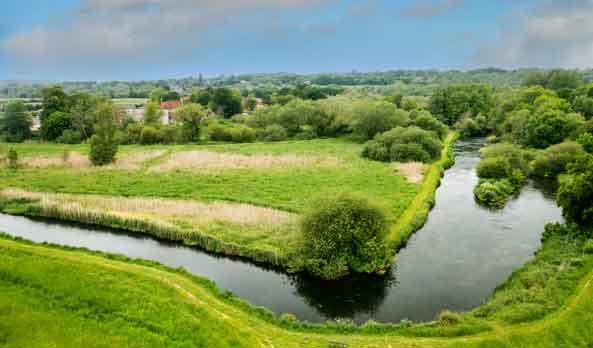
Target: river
[454,262]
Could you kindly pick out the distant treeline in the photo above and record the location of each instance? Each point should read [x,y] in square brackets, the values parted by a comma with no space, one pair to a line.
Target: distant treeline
[415,82]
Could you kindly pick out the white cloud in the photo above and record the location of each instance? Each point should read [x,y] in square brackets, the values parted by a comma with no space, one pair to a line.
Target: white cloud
[551,34]
[108,31]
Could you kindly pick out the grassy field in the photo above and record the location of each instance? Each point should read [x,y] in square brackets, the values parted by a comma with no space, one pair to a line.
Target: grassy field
[274,181]
[59,297]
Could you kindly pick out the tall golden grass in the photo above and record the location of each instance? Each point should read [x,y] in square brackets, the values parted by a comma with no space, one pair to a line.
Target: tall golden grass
[206,160]
[174,220]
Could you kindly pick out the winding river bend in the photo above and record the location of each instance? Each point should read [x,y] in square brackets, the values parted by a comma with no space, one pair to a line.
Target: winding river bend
[454,262]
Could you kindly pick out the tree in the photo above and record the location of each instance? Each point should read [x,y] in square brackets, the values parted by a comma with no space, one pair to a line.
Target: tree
[251,103]
[343,233]
[575,194]
[17,122]
[54,100]
[226,102]
[153,114]
[55,125]
[450,103]
[82,107]
[551,127]
[190,117]
[104,143]
[372,118]
[201,96]
[157,94]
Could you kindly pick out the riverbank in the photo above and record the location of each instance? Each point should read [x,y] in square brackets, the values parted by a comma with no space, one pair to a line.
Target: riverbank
[273,241]
[103,289]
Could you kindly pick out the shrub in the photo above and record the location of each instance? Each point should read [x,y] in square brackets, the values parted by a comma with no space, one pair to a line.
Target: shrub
[588,249]
[494,192]
[555,159]
[54,125]
[586,141]
[575,194]
[274,132]
[515,155]
[104,143]
[133,133]
[428,122]
[449,318]
[242,134]
[13,159]
[172,134]
[344,233]
[372,118]
[218,132]
[150,135]
[306,133]
[408,153]
[494,168]
[69,136]
[427,140]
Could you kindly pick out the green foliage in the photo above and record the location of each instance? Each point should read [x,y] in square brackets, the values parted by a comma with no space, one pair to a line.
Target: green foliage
[69,136]
[516,156]
[551,127]
[450,103]
[559,80]
[104,144]
[219,132]
[274,132]
[16,123]
[342,234]
[380,148]
[588,248]
[449,318]
[226,102]
[190,116]
[583,105]
[13,159]
[54,100]
[575,194]
[428,122]
[586,141]
[494,168]
[153,114]
[555,159]
[150,136]
[243,134]
[372,118]
[54,125]
[201,96]
[408,153]
[494,192]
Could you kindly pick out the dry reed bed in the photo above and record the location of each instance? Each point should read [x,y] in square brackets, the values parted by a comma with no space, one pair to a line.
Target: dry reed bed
[157,217]
[207,160]
[131,161]
[412,171]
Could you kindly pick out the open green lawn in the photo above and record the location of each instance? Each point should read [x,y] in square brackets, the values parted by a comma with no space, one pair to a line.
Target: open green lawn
[58,297]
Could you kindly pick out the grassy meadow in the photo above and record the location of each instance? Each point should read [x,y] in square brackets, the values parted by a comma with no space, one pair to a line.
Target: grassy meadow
[234,199]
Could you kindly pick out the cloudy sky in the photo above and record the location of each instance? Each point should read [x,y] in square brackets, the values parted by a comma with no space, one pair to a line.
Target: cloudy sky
[151,39]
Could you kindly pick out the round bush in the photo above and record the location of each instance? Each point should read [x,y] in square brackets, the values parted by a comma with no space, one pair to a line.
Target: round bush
[413,135]
[218,132]
[493,193]
[274,132]
[494,168]
[150,135]
[555,159]
[588,249]
[408,153]
[428,122]
[344,233]
[376,151]
[242,134]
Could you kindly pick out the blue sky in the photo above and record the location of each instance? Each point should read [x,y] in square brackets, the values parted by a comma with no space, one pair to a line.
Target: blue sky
[151,39]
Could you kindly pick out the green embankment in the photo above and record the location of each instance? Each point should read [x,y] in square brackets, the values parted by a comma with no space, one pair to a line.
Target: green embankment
[59,297]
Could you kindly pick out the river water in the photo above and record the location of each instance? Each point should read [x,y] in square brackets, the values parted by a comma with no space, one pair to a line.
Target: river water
[454,262]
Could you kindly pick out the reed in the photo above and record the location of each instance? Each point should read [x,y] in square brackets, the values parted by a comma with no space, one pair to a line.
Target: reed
[412,171]
[208,161]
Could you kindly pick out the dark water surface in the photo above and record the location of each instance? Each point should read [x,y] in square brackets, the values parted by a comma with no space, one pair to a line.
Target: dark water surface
[454,262]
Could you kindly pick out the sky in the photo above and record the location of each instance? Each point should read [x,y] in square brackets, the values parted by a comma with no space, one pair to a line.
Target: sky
[154,39]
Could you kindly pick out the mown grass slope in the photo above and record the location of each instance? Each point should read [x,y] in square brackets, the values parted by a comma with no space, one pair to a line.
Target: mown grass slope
[53,296]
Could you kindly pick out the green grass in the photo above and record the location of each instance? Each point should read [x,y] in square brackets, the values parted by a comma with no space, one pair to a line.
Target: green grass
[61,297]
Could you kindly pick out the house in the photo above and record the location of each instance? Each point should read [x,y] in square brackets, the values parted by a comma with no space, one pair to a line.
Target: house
[169,108]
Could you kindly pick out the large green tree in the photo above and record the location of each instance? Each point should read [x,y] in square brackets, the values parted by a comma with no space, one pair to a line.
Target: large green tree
[575,194]
[54,125]
[54,100]
[153,114]
[17,122]
[226,102]
[450,103]
[190,117]
[104,143]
